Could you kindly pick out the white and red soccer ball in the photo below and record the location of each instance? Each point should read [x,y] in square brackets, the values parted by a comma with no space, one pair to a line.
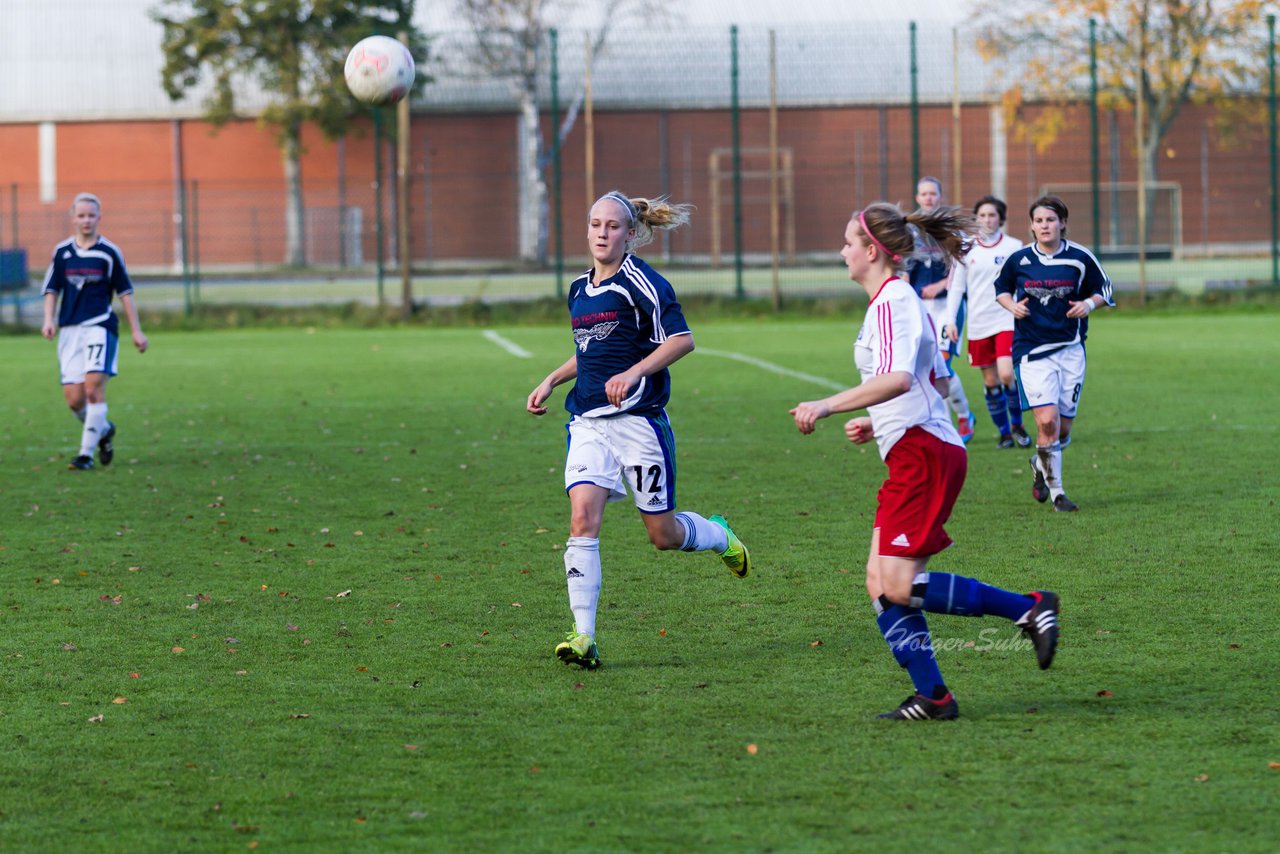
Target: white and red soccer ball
[379,70]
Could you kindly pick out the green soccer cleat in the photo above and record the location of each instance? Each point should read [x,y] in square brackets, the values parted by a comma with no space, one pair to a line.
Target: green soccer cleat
[579,648]
[735,557]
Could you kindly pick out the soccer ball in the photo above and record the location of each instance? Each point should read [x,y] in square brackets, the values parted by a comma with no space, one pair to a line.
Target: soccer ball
[379,70]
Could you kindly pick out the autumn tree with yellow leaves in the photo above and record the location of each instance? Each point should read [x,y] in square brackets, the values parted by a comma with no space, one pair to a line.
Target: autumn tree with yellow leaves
[1154,57]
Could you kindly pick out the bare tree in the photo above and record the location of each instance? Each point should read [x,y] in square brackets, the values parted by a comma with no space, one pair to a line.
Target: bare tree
[510,44]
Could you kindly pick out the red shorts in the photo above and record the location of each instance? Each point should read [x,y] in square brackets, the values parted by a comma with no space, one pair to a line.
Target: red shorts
[983,352]
[925,476]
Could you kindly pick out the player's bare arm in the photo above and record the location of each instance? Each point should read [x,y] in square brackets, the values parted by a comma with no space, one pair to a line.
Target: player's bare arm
[875,390]
[135,326]
[540,394]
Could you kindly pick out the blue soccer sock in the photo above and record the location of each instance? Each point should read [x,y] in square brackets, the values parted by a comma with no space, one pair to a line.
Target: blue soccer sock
[907,633]
[944,593]
[996,406]
[1013,401]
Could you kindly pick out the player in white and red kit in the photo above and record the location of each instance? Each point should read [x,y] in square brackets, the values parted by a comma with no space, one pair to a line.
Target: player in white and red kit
[902,389]
[990,324]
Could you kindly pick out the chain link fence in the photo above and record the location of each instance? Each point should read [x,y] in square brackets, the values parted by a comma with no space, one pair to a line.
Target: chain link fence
[696,114]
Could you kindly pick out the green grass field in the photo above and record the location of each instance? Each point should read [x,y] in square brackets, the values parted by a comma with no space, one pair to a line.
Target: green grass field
[312,607]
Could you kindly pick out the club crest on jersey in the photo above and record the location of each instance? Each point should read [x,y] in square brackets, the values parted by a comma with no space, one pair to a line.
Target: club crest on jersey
[600,331]
[1045,294]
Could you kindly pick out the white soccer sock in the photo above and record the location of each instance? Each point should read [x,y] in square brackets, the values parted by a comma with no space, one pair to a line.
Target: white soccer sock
[956,397]
[582,573]
[701,535]
[1050,459]
[95,424]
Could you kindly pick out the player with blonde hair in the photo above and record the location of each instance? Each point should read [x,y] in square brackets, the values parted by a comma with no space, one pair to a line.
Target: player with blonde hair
[628,329]
[87,271]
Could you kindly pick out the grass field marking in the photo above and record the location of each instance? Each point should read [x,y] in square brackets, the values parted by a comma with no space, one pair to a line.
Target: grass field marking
[507,344]
[775,369]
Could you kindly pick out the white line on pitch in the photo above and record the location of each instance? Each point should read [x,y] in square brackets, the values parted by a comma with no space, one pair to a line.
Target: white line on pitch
[507,344]
[775,369]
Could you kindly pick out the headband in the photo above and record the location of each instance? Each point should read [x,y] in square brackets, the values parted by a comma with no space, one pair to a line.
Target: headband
[883,248]
[625,202]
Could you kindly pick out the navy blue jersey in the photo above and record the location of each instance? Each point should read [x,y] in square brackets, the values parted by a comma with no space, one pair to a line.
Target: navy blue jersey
[88,280]
[617,323]
[1050,283]
[922,272]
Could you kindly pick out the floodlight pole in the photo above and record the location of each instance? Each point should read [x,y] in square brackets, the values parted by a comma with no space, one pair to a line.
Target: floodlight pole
[555,161]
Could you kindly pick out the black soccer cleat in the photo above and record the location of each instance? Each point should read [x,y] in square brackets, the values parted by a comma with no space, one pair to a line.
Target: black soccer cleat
[1040,624]
[1005,441]
[1039,489]
[106,448]
[83,462]
[1020,436]
[918,707]
[1063,504]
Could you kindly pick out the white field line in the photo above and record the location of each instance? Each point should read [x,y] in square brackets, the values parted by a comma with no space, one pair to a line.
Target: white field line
[507,344]
[775,369]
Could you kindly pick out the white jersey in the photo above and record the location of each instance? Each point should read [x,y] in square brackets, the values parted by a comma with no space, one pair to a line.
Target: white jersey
[897,335]
[975,276]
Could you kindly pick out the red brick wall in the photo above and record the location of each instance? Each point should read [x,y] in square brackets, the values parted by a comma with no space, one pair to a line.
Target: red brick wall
[463,202]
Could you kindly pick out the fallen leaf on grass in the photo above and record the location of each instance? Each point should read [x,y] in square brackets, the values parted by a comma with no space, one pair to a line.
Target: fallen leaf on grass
[815,643]
[1274,766]
[291,627]
[344,594]
[1104,693]
[96,719]
[299,717]
[361,819]
[1202,778]
[178,649]
[135,675]
[662,633]
[411,747]
[534,769]
[69,647]
[752,749]
[120,701]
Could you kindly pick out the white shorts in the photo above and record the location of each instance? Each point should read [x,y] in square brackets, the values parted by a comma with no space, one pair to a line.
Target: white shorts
[1055,380]
[636,451]
[87,350]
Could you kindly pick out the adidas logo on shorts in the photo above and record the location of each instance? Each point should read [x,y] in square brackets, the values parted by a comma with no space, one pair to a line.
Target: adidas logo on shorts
[901,542]
[655,501]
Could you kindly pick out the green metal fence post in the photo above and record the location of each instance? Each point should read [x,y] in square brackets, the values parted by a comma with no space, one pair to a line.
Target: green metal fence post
[1094,189]
[185,237]
[195,242]
[555,162]
[736,120]
[1271,117]
[915,114]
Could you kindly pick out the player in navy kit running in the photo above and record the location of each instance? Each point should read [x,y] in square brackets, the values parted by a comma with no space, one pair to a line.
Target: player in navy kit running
[88,272]
[903,389]
[990,325]
[627,329]
[1051,287]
